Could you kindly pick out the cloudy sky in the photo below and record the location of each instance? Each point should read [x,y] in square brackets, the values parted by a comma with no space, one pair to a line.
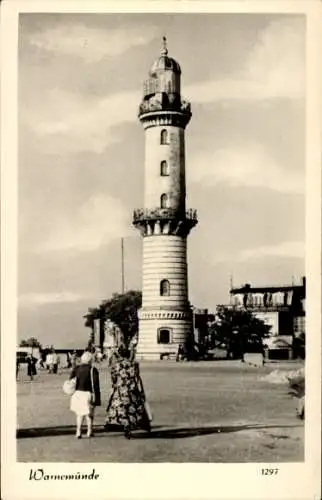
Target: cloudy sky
[81,156]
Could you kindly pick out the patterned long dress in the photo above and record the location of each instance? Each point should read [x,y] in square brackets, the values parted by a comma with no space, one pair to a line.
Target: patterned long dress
[126,405]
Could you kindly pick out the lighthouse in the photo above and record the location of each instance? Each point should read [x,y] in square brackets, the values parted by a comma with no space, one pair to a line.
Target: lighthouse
[165,318]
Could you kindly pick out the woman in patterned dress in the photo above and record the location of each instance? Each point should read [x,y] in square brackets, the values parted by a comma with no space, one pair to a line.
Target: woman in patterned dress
[127,403]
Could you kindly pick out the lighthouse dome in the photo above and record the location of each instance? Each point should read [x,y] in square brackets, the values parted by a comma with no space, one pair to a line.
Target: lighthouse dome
[164,63]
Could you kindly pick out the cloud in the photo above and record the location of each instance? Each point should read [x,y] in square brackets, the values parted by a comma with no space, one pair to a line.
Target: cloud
[38,299]
[98,221]
[91,44]
[274,68]
[285,249]
[72,122]
[81,123]
[247,166]
[84,122]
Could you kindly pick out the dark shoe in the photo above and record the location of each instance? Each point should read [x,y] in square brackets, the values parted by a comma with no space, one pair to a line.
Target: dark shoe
[127,434]
[147,427]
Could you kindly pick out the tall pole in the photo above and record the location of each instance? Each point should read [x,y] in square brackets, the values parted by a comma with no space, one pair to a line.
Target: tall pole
[122,263]
[231,287]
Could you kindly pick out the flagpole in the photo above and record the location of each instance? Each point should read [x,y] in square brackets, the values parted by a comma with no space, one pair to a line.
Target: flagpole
[231,287]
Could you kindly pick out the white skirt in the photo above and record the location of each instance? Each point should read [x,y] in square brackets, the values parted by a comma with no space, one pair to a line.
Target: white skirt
[80,403]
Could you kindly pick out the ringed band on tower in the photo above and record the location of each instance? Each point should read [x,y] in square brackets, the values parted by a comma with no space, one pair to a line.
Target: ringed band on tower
[165,319]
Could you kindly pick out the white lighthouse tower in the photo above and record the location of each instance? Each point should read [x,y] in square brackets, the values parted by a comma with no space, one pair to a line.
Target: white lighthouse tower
[165,319]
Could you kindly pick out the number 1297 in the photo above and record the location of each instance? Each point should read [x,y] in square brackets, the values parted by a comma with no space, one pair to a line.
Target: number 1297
[269,472]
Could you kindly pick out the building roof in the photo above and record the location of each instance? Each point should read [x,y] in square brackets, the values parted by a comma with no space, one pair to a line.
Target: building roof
[247,288]
[265,289]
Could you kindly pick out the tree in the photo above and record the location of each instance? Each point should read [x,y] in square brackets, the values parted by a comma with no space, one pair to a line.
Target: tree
[238,331]
[90,317]
[30,342]
[93,314]
[121,309]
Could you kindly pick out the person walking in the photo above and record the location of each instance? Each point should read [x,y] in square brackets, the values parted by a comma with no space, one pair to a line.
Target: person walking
[55,362]
[180,353]
[74,359]
[31,366]
[127,403]
[49,362]
[68,360]
[87,394]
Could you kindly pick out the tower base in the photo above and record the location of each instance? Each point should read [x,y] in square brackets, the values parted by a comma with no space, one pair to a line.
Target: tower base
[160,333]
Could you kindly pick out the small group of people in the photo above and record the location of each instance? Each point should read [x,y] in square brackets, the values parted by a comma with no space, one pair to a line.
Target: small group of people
[45,359]
[191,351]
[52,362]
[127,408]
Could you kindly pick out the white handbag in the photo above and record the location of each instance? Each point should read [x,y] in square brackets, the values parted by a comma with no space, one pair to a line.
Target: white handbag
[69,386]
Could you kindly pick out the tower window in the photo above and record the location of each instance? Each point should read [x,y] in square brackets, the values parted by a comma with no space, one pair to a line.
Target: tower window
[164,137]
[163,336]
[164,201]
[164,168]
[165,288]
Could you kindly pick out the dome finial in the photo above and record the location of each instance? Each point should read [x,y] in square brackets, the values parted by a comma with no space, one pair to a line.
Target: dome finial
[164,50]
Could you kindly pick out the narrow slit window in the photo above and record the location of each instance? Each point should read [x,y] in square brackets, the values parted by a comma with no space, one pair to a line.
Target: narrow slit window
[164,168]
[164,137]
[164,201]
[165,288]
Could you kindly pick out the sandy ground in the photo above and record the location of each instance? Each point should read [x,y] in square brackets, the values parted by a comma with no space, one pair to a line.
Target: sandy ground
[219,411]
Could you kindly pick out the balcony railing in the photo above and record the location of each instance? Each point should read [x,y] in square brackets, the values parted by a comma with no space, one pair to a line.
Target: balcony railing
[147,214]
[152,105]
[264,308]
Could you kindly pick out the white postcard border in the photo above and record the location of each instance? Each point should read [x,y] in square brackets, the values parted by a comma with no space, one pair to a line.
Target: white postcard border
[127,481]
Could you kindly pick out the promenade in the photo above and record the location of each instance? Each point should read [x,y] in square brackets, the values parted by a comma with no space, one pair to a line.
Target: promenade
[219,411]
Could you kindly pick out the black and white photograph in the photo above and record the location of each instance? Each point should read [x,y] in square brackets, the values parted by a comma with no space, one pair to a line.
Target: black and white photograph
[162,286]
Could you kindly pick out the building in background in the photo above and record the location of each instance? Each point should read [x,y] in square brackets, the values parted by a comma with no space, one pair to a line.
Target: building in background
[165,319]
[200,324]
[281,307]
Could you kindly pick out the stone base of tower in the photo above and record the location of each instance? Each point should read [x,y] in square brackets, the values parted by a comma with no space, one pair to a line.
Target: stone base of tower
[162,338]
